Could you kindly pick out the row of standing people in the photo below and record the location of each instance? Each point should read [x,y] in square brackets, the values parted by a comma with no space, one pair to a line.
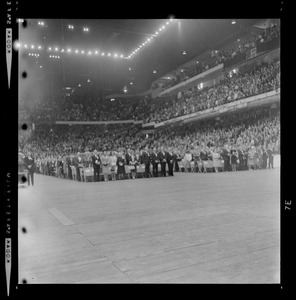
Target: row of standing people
[160,161]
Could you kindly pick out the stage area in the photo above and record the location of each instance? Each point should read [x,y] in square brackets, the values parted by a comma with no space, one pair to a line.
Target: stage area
[190,228]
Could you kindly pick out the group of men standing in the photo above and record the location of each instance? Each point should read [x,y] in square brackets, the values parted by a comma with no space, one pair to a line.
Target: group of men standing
[162,162]
[157,162]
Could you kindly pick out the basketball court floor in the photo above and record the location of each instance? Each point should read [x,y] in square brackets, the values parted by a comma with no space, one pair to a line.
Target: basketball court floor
[190,228]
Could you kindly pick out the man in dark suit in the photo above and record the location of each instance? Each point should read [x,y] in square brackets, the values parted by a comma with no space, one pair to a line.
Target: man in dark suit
[163,160]
[226,158]
[146,161]
[170,161]
[96,165]
[155,161]
[30,166]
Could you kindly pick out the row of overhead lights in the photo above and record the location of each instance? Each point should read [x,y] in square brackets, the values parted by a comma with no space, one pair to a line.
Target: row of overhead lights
[41,23]
[148,40]
[69,51]
[96,52]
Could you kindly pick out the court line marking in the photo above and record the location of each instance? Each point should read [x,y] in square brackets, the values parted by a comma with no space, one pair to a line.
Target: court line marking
[61,217]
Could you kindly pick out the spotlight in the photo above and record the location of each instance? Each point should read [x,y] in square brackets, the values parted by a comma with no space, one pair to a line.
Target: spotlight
[109,54]
[29,54]
[62,50]
[96,52]
[76,51]
[39,47]
[115,55]
[49,48]
[131,83]
[167,23]
[163,27]
[121,56]
[85,29]
[40,67]
[160,29]
[56,49]
[89,52]
[233,22]
[26,46]
[82,51]
[184,52]
[79,85]
[156,32]
[103,54]
[70,26]
[32,47]
[154,72]
[88,80]
[69,50]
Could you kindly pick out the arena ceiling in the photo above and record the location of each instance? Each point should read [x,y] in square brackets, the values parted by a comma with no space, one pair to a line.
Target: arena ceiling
[108,75]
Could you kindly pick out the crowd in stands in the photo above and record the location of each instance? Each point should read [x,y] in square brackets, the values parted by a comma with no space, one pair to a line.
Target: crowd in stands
[241,85]
[239,141]
[263,79]
[223,55]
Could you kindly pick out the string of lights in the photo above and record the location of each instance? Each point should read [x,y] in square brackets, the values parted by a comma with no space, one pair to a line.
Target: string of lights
[90,52]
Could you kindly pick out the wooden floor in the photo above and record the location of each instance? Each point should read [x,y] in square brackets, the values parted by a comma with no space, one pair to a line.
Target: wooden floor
[190,228]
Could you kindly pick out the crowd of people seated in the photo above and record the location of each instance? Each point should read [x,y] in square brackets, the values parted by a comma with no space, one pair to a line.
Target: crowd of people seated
[263,79]
[221,56]
[245,140]
[241,85]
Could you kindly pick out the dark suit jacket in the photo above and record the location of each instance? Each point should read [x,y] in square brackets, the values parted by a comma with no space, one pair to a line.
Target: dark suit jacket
[128,158]
[162,156]
[170,157]
[77,163]
[154,158]
[30,164]
[145,159]
[93,160]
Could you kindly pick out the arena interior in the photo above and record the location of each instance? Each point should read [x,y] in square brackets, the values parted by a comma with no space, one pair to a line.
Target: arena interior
[149,151]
